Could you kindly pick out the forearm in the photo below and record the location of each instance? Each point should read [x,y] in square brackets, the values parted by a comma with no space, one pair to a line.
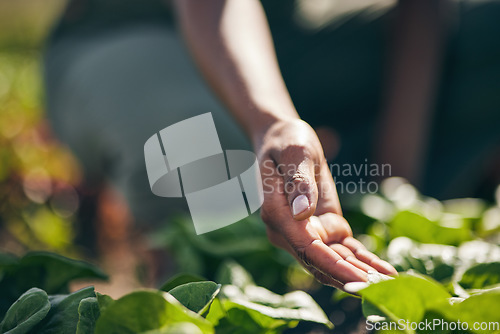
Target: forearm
[232,45]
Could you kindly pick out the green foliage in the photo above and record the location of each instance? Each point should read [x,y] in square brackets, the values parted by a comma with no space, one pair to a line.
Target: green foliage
[481,275]
[265,308]
[451,274]
[47,271]
[447,273]
[406,297]
[196,296]
[88,313]
[414,299]
[190,306]
[26,312]
[202,255]
[63,315]
[422,229]
[179,280]
[437,261]
[146,310]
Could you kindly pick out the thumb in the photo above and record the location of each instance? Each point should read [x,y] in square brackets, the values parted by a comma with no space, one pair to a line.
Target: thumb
[301,190]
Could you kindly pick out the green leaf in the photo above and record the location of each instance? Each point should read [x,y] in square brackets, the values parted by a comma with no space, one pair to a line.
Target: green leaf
[196,296]
[437,261]
[53,272]
[481,308]
[178,328]
[412,225]
[63,315]
[146,310]
[405,297]
[481,276]
[47,271]
[232,273]
[240,319]
[104,301]
[179,280]
[88,312]
[293,306]
[216,312]
[26,312]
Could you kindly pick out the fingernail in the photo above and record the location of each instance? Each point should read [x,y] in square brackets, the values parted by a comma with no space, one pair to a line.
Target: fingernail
[300,204]
[354,287]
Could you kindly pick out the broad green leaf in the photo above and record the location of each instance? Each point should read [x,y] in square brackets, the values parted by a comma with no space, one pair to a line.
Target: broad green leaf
[227,242]
[63,315]
[47,271]
[215,312]
[146,310]
[412,225]
[196,296]
[481,276]
[179,280]
[405,297]
[481,308]
[104,301]
[293,306]
[53,272]
[26,312]
[178,328]
[232,273]
[88,312]
[241,319]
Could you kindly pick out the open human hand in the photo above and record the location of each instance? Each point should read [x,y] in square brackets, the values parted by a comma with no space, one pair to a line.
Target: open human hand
[302,211]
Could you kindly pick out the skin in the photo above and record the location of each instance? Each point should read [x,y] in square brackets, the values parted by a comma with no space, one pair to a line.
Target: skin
[231,43]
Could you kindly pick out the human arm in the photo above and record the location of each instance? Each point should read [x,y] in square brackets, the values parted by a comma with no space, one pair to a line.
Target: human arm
[232,45]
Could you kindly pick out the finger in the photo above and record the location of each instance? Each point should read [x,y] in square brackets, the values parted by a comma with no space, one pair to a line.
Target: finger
[297,165]
[328,200]
[314,252]
[368,257]
[305,243]
[334,228]
[324,279]
[349,256]
[278,240]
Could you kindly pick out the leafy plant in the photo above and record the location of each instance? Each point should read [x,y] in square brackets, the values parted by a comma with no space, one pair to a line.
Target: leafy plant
[409,300]
[189,305]
[202,254]
[448,273]
[47,271]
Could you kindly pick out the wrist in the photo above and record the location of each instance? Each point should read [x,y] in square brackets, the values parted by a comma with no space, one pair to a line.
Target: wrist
[263,122]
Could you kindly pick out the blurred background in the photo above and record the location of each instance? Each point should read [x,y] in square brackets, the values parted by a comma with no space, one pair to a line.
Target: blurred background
[42,203]
[38,175]
[45,203]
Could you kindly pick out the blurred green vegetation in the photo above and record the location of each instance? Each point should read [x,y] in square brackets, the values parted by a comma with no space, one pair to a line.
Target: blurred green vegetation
[38,175]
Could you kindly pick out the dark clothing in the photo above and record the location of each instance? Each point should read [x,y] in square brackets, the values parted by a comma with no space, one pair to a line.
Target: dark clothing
[117,72]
